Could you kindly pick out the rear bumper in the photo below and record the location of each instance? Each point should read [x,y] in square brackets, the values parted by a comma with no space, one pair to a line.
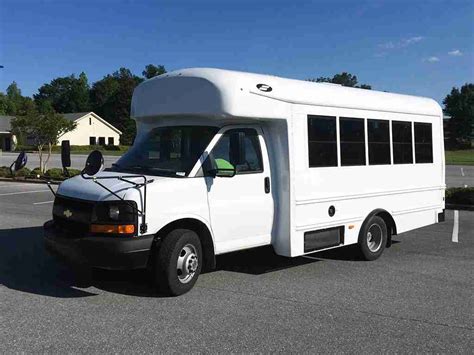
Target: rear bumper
[115,253]
[441,217]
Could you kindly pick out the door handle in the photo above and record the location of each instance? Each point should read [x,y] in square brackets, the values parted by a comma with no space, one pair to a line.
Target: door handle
[267,185]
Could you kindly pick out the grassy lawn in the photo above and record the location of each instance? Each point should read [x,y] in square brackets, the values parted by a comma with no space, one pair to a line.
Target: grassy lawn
[104,152]
[460,157]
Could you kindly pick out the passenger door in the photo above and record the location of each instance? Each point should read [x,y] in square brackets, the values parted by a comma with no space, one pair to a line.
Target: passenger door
[241,207]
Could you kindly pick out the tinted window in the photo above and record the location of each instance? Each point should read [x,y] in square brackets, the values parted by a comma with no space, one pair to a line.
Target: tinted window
[402,142]
[239,148]
[379,142]
[322,144]
[352,135]
[423,143]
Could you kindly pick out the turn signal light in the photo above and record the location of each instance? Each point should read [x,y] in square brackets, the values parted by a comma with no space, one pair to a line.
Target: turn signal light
[113,228]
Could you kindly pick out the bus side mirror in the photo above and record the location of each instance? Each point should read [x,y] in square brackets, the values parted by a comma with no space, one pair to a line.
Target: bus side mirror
[222,172]
[19,163]
[94,163]
[65,156]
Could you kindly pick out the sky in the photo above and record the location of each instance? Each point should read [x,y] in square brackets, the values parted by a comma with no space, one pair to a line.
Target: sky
[417,47]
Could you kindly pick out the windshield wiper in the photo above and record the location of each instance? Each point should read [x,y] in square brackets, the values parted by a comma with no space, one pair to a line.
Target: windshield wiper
[148,169]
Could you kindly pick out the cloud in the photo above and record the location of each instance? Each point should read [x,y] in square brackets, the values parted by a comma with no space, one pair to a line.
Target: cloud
[405,42]
[432,59]
[455,53]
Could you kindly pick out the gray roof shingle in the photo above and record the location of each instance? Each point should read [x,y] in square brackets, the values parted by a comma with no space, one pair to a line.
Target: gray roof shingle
[74,116]
[5,123]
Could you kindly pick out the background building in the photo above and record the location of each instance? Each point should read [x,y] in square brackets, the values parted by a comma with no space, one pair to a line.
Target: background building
[7,138]
[91,129]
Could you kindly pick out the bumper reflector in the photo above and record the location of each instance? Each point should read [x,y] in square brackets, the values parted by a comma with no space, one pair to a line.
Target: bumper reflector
[113,228]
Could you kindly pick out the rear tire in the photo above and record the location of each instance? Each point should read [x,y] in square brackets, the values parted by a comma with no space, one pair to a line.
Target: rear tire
[178,262]
[372,238]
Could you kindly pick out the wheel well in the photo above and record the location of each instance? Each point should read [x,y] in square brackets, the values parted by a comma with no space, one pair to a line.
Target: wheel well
[389,222]
[201,230]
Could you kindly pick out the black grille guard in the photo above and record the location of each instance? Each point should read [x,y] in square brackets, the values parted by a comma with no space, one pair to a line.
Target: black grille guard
[142,210]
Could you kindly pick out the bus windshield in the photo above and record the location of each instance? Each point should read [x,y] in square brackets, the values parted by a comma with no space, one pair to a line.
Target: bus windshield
[167,151]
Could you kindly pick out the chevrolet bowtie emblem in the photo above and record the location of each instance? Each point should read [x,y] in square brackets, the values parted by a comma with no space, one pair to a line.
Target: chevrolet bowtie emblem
[67,213]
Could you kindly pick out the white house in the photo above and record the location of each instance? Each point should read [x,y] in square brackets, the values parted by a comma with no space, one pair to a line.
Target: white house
[8,140]
[91,129]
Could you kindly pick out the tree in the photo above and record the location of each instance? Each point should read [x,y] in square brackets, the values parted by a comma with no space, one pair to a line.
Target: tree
[111,98]
[153,70]
[44,127]
[3,104]
[13,103]
[459,104]
[13,99]
[66,94]
[344,79]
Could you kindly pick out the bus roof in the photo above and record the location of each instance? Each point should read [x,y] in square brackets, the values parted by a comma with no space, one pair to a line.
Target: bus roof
[226,93]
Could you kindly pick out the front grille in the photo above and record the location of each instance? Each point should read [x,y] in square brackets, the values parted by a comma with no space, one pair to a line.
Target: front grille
[72,216]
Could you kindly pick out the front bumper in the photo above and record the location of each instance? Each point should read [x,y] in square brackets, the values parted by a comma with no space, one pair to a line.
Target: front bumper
[114,253]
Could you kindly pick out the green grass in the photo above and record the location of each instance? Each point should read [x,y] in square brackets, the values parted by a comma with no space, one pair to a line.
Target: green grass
[104,152]
[460,157]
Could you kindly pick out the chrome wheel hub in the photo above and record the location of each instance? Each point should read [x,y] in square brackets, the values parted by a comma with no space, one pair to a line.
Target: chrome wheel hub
[374,238]
[187,263]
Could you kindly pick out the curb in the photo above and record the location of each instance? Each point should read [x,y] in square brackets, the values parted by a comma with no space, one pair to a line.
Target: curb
[450,206]
[28,181]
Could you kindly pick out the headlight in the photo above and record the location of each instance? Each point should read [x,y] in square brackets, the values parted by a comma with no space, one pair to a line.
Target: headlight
[114,212]
[115,218]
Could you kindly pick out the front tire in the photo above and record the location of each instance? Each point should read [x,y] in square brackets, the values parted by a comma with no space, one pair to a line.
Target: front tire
[372,238]
[178,262]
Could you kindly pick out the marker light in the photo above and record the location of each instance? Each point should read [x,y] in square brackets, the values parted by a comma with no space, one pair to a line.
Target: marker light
[113,228]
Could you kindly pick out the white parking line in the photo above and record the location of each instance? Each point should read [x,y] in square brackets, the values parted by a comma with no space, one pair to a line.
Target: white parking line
[42,203]
[455,227]
[462,171]
[12,185]
[22,192]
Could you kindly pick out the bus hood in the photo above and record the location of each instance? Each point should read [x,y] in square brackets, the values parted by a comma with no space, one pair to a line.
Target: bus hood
[87,189]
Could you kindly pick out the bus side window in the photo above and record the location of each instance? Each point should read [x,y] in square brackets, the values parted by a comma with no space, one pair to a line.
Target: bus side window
[402,142]
[352,136]
[322,143]
[379,142]
[423,143]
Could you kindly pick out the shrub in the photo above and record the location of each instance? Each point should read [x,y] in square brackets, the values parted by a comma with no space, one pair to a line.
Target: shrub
[460,195]
[35,172]
[113,147]
[5,172]
[54,173]
[73,172]
[22,172]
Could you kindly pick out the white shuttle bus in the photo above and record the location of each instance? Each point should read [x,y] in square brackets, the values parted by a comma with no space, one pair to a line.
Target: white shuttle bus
[225,161]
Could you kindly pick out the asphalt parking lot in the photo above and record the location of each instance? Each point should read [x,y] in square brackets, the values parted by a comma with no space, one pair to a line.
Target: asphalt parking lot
[418,297]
